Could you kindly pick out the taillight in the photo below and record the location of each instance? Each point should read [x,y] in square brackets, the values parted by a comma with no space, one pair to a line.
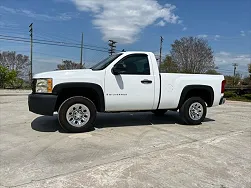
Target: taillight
[223,83]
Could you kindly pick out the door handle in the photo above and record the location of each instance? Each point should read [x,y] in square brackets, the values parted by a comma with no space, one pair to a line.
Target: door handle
[146,81]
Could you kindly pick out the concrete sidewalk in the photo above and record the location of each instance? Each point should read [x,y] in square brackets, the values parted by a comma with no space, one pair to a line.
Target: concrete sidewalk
[14,92]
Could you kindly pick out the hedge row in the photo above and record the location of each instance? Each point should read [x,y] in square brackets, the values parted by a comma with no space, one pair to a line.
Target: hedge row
[233,95]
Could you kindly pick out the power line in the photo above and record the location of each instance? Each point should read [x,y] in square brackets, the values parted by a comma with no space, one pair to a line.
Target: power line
[89,45]
[52,41]
[69,39]
[46,54]
[52,44]
[56,36]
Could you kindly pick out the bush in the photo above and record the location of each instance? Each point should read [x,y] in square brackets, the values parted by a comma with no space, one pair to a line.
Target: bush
[230,94]
[26,85]
[247,96]
[9,79]
[3,75]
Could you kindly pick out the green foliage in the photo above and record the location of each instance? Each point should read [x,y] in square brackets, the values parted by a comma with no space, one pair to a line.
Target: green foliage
[26,86]
[3,76]
[9,78]
[212,71]
[230,94]
[247,96]
[168,66]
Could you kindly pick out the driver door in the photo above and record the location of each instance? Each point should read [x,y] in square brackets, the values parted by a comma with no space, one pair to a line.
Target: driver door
[133,88]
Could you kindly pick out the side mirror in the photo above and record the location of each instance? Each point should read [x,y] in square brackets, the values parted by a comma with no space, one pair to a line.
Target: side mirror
[118,69]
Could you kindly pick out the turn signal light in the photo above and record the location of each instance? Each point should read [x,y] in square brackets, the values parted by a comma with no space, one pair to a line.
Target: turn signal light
[49,85]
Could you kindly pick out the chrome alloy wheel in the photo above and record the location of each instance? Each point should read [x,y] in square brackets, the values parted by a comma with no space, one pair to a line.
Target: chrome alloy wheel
[78,115]
[195,111]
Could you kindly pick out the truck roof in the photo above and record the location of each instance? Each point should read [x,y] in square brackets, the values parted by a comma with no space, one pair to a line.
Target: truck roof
[131,52]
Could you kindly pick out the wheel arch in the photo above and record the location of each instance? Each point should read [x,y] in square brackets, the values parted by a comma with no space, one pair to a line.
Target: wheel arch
[90,90]
[204,91]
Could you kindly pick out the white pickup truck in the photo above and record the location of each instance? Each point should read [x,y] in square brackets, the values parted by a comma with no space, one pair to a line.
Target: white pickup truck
[126,81]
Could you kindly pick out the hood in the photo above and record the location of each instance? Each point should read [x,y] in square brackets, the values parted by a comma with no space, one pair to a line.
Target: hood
[62,73]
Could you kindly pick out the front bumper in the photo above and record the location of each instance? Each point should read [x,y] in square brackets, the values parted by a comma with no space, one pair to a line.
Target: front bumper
[43,104]
[222,100]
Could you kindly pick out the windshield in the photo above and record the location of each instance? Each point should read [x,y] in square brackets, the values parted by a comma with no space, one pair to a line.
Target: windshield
[104,63]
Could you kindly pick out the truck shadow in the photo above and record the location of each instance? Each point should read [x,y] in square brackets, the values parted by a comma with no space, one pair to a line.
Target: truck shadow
[50,123]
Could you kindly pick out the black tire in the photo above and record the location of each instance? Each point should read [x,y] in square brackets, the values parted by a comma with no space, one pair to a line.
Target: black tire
[159,112]
[62,113]
[184,111]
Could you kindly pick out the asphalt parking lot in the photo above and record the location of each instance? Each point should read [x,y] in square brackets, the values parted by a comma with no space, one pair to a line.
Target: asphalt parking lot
[125,150]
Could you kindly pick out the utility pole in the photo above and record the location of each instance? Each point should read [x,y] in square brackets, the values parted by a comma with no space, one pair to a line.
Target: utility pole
[235,66]
[112,46]
[160,50]
[81,52]
[31,35]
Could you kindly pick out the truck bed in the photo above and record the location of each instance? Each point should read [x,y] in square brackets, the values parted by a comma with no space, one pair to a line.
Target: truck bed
[172,85]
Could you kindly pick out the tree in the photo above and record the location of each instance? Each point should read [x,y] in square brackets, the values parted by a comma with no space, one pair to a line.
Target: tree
[212,71]
[249,70]
[231,80]
[16,62]
[168,65]
[246,81]
[3,76]
[9,78]
[68,64]
[192,55]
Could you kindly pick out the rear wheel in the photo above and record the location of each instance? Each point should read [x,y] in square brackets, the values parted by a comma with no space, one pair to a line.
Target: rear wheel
[159,112]
[77,114]
[193,111]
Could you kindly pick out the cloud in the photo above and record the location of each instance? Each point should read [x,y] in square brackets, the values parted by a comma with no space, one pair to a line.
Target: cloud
[224,61]
[202,36]
[216,37]
[123,21]
[4,24]
[45,17]
[180,21]
[224,53]
[184,29]
[161,23]
[6,9]
[243,33]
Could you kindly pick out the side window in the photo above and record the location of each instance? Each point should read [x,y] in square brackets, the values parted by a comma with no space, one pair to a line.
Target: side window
[136,64]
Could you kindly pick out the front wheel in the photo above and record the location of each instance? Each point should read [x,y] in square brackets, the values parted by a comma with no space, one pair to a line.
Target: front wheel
[77,114]
[193,111]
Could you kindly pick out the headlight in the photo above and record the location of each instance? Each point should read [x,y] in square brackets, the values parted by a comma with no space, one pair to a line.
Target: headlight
[44,85]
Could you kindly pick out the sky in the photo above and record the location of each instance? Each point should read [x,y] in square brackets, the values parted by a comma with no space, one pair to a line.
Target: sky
[134,25]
